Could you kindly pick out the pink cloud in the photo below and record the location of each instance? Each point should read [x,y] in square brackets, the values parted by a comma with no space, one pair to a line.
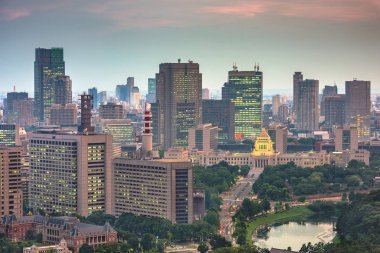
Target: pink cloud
[12,14]
[243,10]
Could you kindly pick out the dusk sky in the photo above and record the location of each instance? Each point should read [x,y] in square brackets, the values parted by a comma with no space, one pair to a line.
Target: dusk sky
[106,41]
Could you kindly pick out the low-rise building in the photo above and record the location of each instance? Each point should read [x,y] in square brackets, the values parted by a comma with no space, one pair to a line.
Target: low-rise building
[54,229]
[61,247]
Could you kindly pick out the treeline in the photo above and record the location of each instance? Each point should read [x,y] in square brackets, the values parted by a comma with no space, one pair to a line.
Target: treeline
[246,212]
[282,181]
[357,227]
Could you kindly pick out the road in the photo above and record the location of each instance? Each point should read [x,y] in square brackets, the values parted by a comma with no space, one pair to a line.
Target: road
[233,199]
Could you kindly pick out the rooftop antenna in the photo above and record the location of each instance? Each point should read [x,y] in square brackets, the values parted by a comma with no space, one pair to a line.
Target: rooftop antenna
[258,66]
[255,68]
[14,88]
[234,67]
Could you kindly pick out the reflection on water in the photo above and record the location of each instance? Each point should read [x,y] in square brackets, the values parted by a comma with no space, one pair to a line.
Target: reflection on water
[295,234]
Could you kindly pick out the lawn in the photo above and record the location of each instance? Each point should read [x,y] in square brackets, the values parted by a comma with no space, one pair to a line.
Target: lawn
[300,213]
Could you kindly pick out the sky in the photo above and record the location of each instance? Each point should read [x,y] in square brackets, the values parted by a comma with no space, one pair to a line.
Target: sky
[106,41]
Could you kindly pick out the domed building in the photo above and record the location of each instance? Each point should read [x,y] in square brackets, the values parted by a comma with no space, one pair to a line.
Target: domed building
[263,145]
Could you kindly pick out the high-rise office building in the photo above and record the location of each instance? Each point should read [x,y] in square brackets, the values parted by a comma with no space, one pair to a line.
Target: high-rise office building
[283,113]
[328,91]
[23,111]
[151,96]
[10,181]
[102,98]
[346,138]
[179,103]
[307,100]
[12,99]
[9,135]
[130,85]
[205,93]
[245,89]
[94,93]
[220,113]
[48,65]
[64,115]
[135,97]
[279,137]
[122,130]
[122,92]
[297,77]
[63,90]
[276,102]
[267,115]
[203,137]
[159,188]
[358,107]
[70,173]
[334,110]
[111,111]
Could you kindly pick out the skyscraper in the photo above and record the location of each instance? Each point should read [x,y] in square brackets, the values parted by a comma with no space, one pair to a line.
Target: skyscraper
[63,90]
[307,100]
[10,178]
[130,85]
[327,91]
[358,107]
[48,65]
[334,110]
[122,92]
[276,104]
[151,96]
[245,89]
[179,102]
[220,113]
[297,76]
[94,93]
[12,98]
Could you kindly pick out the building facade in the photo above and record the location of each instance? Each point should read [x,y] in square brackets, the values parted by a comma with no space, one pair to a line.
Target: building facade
[307,102]
[10,181]
[70,173]
[346,138]
[10,135]
[179,103]
[111,111]
[204,137]
[245,90]
[220,113]
[48,65]
[358,107]
[63,90]
[159,188]
[64,115]
[334,110]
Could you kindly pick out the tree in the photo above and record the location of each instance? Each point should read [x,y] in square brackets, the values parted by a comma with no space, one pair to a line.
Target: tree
[202,248]
[29,235]
[148,242]
[265,205]
[86,249]
[218,241]
[344,196]
[39,238]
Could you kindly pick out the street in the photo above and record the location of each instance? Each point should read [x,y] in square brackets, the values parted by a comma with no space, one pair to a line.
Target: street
[233,199]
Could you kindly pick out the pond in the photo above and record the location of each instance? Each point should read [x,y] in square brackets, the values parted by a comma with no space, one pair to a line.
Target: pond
[295,234]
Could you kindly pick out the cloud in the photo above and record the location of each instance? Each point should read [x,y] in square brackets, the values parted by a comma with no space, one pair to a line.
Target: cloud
[12,14]
[123,14]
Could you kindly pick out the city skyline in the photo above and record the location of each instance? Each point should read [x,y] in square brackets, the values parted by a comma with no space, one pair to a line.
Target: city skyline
[106,43]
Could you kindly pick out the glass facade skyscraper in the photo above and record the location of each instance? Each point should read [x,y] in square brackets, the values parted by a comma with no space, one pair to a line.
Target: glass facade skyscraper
[245,90]
[48,65]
